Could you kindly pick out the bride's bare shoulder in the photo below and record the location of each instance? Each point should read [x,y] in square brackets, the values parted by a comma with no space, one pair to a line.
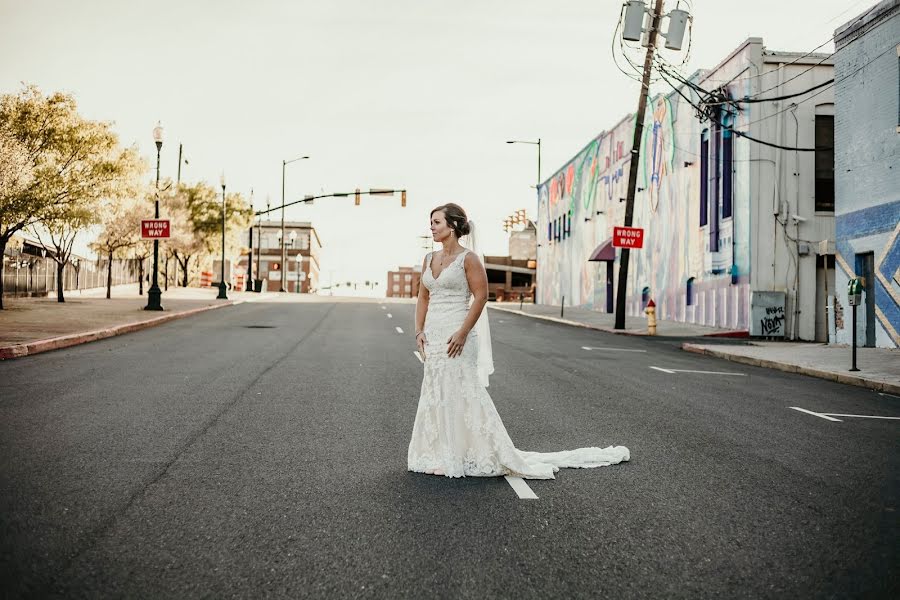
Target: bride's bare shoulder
[471,259]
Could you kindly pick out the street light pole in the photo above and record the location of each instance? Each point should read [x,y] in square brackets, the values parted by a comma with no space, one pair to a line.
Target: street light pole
[154,294]
[284,164]
[250,255]
[537,190]
[222,295]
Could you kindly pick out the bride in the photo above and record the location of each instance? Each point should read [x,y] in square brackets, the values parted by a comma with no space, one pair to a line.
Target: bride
[458,431]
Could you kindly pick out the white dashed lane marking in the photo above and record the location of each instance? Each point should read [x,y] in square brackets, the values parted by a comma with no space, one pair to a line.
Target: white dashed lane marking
[419,356]
[398,330]
[521,488]
[390,316]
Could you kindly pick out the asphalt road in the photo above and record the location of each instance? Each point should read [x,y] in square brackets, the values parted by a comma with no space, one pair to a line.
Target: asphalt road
[260,451]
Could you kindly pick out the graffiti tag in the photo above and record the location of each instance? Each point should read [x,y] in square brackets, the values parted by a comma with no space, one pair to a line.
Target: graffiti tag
[773,321]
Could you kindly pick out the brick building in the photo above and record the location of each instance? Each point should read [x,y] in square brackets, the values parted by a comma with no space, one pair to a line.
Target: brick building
[302,250]
[403,283]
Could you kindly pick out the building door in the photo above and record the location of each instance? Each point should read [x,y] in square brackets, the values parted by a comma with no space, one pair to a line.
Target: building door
[824,289]
[865,269]
[609,286]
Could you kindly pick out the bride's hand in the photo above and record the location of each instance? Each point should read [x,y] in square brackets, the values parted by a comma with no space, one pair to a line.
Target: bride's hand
[420,344]
[455,343]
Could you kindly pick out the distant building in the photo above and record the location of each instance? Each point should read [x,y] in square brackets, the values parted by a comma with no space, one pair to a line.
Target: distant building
[403,283]
[513,275]
[867,175]
[302,251]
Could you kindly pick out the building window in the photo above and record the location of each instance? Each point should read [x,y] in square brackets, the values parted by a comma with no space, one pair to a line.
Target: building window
[690,292]
[704,178]
[396,276]
[407,277]
[407,288]
[550,232]
[825,163]
[396,288]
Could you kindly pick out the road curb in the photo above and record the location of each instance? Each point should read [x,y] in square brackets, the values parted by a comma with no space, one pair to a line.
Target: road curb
[74,339]
[638,332]
[878,386]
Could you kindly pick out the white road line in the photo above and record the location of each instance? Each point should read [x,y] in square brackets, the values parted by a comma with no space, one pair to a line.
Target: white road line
[888,395]
[390,316]
[384,308]
[419,356]
[398,330]
[815,414]
[611,349]
[861,416]
[673,371]
[518,484]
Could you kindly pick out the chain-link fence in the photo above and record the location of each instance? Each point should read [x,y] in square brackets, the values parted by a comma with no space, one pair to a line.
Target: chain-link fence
[29,275]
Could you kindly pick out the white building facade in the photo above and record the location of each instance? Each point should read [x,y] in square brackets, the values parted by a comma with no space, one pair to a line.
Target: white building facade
[731,221]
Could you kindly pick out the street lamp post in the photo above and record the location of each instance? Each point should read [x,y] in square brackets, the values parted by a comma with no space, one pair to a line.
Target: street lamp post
[222,295]
[299,270]
[250,255]
[154,294]
[537,190]
[538,144]
[284,164]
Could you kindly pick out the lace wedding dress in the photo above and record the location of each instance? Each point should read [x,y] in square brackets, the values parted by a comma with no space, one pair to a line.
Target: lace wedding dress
[457,428]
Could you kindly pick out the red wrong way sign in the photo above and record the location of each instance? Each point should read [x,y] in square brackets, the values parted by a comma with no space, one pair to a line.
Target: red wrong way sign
[628,237]
[154,229]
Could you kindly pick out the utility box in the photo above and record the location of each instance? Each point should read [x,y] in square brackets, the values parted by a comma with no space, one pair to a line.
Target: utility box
[767,318]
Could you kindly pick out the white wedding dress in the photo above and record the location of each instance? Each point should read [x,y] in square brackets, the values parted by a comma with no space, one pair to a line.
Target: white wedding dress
[457,428]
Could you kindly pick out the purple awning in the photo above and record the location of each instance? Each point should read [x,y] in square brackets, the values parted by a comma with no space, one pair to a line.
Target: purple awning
[604,251]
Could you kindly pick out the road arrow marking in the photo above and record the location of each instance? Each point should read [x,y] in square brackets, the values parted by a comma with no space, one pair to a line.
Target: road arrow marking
[673,371]
[521,488]
[611,349]
[398,330]
[815,414]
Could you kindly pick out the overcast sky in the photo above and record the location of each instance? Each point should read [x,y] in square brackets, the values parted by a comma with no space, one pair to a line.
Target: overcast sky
[414,94]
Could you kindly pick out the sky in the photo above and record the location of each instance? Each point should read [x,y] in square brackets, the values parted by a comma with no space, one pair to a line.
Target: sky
[413,94]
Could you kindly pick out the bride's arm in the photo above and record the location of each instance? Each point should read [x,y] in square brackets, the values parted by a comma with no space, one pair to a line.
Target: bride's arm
[422,301]
[476,276]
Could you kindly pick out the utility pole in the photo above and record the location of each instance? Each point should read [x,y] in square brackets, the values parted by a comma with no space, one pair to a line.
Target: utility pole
[633,165]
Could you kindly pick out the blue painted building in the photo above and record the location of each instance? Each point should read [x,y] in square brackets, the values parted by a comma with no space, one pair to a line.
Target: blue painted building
[867,175]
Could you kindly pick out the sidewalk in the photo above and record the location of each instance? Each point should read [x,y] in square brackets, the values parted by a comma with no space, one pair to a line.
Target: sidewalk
[32,325]
[592,319]
[879,367]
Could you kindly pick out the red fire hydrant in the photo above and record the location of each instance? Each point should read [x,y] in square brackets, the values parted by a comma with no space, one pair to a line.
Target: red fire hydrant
[651,317]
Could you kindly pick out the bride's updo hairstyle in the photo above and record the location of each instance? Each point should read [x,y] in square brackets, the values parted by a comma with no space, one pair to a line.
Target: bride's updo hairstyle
[456,218]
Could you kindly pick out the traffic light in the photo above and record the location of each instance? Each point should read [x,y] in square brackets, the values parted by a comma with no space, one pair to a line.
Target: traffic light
[403,199]
[357,197]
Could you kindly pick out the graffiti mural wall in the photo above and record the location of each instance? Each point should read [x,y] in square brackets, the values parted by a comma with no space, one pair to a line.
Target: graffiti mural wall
[693,274]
